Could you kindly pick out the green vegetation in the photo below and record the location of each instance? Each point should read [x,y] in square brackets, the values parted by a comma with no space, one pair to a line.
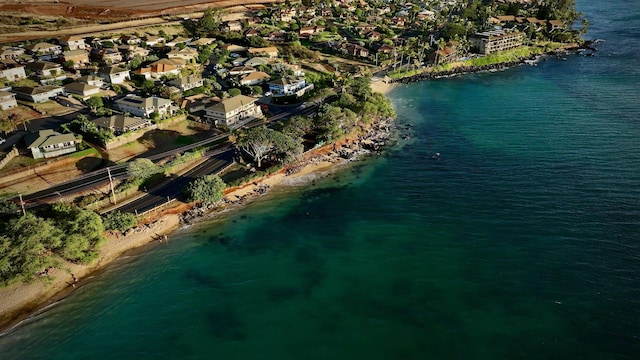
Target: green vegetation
[207,189]
[90,131]
[119,221]
[261,142]
[143,168]
[32,243]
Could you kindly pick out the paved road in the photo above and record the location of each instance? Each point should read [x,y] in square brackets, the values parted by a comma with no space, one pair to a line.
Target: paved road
[174,188]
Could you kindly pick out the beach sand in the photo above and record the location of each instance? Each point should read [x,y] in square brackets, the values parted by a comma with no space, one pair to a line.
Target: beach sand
[382,86]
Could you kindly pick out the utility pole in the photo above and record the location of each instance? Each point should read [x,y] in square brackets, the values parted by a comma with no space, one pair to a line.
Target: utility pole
[24,212]
[111,184]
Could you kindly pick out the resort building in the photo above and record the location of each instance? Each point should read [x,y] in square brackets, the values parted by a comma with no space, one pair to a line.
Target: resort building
[233,112]
[48,144]
[144,107]
[496,40]
[7,100]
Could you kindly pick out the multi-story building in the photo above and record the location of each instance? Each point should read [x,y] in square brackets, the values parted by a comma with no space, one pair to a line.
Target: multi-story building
[144,107]
[234,111]
[496,40]
[73,42]
[289,87]
[48,143]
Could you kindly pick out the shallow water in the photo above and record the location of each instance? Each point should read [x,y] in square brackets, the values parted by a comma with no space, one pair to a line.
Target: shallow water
[519,241]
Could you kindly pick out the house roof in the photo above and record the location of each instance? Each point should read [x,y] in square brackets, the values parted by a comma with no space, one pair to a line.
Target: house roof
[284,81]
[80,87]
[242,68]
[111,70]
[42,46]
[187,51]
[66,39]
[263,50]
[256,61]
[78,52]
[203,41]
[46,138]
[29,90]
[87,78]
[6,94]
[231,104]
[145,103]
[119,121]
[185,80]
[257,75]
[42,66]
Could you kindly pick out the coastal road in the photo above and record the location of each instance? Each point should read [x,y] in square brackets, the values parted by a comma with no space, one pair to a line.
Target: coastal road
[218,160]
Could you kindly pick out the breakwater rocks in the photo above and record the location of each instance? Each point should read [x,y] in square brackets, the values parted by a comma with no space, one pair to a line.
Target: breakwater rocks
[461,71]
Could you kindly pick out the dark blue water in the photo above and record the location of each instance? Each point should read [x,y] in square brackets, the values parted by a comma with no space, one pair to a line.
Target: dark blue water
[519,241]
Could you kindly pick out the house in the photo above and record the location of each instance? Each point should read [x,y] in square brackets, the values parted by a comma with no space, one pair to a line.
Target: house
[107,56]
[48,143]
[254,78]
[553,25]
[355,50]
[187,82]
[373,35]
[12,72]
[73,42]
[202,42]
[166,67]
[144,107]
[270,52]
[187,54]
[295,69]
[279,36]
[132,51]
[129,40]
[153,41]
[234,49]
[256,61]
[289,87]
[233,26]
[496,40]
[91,80]
[306,32]
[241,70]
[121,124]
[385,49]
[44,48]
[11,52]
[82,89]
[45,69]
[445,55]
[78,57]
[7,100]
[251,32]
[178,40]
[238,61]
[113,74]
[37,94]
[234,111]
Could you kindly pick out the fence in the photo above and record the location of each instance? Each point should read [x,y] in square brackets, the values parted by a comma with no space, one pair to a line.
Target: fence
[10,155]
[169,201]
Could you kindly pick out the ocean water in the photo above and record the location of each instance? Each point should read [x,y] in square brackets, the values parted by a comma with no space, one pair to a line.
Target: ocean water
[520,240]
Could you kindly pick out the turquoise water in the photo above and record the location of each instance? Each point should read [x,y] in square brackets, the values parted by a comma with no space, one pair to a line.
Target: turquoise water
[520,241]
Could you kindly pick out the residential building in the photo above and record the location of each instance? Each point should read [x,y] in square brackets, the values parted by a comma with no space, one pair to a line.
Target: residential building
[113,74]
[37,94]
[289,87]
[12,72]
[120,124]
[241,70]
[254,78]
[162,67]
[202,42]
[233,26]
[153,40]
[45,69]
[256,61]
[355,50]
[234,111]
[7,100]
[144,107]
[131,51]
[187,54]
[178,40]
[44,48]
[11,52]
[107,56]
[73,42]
[187,82]
[91,80]
[553,25]
[129,40]
[48,144]
[232,48]
[270,52]
[496,40]
[82,89]
[79,57]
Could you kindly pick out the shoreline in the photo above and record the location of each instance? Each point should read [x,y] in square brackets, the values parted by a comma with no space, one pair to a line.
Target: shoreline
[22,301]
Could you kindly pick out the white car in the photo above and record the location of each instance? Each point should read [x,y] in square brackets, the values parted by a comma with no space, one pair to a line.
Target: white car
[2,141]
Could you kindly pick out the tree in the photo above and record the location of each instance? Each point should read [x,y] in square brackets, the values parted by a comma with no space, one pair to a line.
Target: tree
[143,168]
[83,232]
[256,90]
[120,221]
[95,102]
[258,142]
[135,63]
[208,189]
[234,92]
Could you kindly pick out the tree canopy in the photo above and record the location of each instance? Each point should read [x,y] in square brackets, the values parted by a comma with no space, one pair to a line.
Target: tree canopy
[208,189]
[143,168]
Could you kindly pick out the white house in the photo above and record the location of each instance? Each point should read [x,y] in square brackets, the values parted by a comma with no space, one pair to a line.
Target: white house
[11,52]
[44,48]
[48,143]
[7,100]
[73,42]
[91,80]
[255,78]
[234,111]
[187,82]
[12,73]
[82,89]
[187,54]
[37,94]
[113,74]
[144,107]
[289,87]
[45,69]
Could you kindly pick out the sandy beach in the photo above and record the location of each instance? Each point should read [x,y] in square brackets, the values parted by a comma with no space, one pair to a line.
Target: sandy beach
[383,86]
